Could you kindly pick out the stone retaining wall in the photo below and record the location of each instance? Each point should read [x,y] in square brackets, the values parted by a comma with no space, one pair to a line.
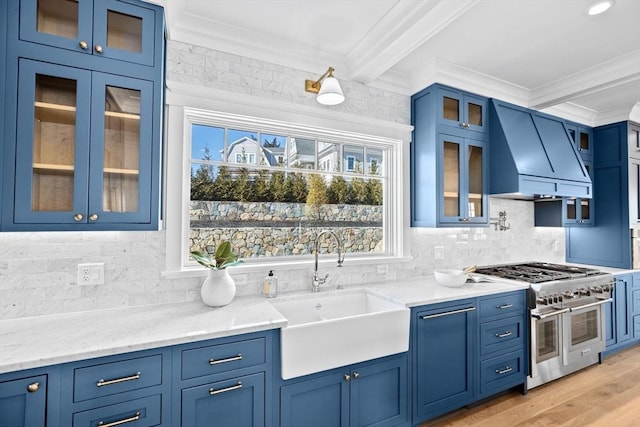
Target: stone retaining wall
[283,229]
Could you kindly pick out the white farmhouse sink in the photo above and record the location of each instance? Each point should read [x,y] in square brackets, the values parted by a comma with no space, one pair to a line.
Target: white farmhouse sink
[332,330]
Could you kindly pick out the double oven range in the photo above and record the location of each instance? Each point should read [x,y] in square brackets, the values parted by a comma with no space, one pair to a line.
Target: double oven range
[566,306]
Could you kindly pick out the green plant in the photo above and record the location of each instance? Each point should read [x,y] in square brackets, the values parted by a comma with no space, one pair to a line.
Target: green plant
[223,257]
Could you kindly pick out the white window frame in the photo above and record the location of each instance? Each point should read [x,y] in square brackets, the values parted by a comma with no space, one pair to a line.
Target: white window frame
[207,103]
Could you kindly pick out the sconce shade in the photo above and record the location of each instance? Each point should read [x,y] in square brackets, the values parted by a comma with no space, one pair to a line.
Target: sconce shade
[330,92]
[327,87]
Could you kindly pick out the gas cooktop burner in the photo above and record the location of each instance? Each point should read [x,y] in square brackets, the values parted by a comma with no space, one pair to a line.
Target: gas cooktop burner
[537,272]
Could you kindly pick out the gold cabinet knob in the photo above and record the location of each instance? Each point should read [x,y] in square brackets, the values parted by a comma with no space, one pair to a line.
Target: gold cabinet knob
[93,217]
[78,217]
[98,48]
[356,375]
[83,44]
[32,388]
[347,377]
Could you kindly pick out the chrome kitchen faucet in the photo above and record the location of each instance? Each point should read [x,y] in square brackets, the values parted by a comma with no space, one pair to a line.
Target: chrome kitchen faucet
[317,280]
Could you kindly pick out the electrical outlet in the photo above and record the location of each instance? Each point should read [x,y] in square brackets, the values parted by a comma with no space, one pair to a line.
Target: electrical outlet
[383,268]
[438,252]
[91,274]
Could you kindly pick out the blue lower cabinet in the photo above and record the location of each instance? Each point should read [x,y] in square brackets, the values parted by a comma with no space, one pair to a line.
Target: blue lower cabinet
[366,394]
[231,403]
[622,316]
[502,372]
[144,412]
[318,402]
[23,402]
[443,357]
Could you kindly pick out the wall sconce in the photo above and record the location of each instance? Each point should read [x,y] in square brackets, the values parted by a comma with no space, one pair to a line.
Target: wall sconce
[329,91]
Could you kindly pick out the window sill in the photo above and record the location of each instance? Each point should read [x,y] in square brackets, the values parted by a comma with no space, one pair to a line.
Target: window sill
[303,264]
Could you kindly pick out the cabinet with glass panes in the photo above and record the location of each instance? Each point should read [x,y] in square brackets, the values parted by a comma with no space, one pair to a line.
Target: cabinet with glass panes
[579,211]
[87,129]
[448,158]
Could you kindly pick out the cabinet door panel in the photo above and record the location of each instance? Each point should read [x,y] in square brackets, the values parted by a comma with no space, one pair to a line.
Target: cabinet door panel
[317,402]
[379,394]
[124,31]
[121,141]
[21,407]
[52,158]
[231,403]
[61,23]
[444,355]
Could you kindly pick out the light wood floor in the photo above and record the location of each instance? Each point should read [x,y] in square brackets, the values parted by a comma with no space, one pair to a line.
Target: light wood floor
[606,395]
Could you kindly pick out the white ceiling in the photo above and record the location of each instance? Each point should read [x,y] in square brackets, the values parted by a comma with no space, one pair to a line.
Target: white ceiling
[544,54]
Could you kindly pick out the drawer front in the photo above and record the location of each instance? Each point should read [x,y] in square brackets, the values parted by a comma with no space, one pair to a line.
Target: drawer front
[501,335]
[219,358]
[235,402]
[143,412]
[502,305]
[636,326]
[116,377]
[502,372]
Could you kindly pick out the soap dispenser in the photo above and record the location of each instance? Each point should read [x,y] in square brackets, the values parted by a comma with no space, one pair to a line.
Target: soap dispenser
[270,289]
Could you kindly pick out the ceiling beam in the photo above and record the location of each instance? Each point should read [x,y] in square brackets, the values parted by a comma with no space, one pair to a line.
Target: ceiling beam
[407,26]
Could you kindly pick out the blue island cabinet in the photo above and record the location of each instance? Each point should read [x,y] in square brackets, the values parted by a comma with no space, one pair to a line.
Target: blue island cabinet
[371,393]
[83,115]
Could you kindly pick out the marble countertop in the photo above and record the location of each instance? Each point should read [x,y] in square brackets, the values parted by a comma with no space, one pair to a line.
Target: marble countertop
[47,340]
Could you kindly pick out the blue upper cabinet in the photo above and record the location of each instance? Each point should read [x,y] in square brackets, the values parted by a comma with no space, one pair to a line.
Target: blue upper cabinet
[86,129]
[449,159]
[106,28]
[461,109]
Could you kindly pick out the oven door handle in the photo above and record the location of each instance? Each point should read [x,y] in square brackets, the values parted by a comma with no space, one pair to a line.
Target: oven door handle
[593,304]
[544,316]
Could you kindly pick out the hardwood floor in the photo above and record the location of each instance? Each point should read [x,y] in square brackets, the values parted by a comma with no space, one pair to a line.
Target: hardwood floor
[606,395]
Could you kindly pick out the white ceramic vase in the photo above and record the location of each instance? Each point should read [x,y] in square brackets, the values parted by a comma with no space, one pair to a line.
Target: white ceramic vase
[218,288]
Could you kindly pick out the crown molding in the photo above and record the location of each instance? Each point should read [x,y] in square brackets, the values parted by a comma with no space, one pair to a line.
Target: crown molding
[618,71]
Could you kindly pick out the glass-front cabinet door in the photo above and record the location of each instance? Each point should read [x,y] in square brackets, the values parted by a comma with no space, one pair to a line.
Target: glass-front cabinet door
[462,110]
[462,185]
[121,124]
[99,27]
[87,143]
[52,158]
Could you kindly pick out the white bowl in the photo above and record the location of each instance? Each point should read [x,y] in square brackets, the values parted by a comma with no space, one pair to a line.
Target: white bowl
[451,278]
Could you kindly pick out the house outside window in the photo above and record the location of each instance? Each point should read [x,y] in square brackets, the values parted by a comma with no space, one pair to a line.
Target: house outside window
[271,191]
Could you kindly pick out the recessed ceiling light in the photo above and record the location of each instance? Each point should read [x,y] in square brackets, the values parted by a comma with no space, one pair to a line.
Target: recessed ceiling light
[600,7]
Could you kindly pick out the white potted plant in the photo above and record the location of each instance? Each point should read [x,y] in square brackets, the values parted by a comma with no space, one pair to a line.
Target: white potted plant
[218,288]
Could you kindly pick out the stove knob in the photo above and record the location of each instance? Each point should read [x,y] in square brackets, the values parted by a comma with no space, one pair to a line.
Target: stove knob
[559,298]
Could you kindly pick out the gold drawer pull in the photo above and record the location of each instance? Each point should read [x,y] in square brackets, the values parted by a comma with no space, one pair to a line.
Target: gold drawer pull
[504,334]
[136,417]
[213,361]
[213,391]
[33,387]
[504,371]
[102,382]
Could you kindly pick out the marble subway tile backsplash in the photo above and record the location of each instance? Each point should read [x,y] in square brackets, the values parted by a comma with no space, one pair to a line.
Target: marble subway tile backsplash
[38,271]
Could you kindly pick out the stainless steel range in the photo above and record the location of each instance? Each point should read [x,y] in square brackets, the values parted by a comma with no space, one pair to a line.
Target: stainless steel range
[567,318]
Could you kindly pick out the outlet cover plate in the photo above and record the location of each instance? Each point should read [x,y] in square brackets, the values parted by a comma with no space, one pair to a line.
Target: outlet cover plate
[91,273]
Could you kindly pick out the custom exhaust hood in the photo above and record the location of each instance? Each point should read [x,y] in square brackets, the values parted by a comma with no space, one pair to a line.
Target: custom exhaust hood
[532,156]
